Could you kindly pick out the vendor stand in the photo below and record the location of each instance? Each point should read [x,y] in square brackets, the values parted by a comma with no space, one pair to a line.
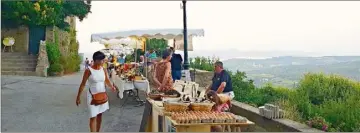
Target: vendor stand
[171,114]
[139,37]
[158,120]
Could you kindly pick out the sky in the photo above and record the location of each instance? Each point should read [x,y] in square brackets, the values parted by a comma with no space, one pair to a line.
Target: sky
[310,26]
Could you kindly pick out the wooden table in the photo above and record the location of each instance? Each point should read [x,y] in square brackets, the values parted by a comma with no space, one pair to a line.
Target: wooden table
[173,126]
[155,119]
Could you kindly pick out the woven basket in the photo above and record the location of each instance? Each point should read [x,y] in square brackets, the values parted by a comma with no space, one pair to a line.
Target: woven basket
[154,96]
[169,96]
[175,107]
[201,106]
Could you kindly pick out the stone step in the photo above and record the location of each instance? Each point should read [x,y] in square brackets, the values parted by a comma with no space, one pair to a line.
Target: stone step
[19,60]
[18,64]
[18,68]
[18,56]
[13,53]
[22,73]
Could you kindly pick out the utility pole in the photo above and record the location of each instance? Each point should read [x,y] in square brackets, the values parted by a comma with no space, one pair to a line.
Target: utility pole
[186,60]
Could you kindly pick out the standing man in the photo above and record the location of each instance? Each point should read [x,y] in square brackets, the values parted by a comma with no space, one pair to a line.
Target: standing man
[176,65]
[87,63]
[221,82]
[121,59]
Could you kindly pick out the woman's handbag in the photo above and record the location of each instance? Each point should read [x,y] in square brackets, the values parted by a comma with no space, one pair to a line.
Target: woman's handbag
[99,98]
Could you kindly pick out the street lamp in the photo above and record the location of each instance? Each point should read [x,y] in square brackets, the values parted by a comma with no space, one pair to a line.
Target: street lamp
[186,61]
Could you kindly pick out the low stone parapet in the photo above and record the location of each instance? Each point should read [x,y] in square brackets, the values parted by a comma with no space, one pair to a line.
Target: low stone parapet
[270,125]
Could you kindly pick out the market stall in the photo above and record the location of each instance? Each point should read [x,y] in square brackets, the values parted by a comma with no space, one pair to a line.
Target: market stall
[139,37]
[128,79]
[189,112]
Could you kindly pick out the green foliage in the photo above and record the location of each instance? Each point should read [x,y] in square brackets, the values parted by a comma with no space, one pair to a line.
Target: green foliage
[55,68]
[53,52]
[159,45]
[203,63]
[326,102]
[43,13]
[72,60]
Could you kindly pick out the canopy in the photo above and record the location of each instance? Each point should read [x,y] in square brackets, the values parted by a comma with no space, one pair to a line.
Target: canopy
[120,43]
[168,34]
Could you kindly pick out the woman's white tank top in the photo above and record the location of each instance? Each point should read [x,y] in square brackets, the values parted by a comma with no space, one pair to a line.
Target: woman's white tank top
[96,80]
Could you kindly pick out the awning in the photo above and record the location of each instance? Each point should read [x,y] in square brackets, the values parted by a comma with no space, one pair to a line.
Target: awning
[168,34]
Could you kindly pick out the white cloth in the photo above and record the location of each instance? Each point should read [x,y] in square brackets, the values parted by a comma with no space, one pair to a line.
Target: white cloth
[142,85]
[231,94]
[97,84]
[119,83]
[123,85]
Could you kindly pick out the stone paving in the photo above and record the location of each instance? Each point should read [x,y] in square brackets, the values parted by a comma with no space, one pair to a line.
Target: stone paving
[31,104]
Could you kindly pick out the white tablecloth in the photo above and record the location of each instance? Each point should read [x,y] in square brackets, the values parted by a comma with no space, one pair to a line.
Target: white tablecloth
[130,85]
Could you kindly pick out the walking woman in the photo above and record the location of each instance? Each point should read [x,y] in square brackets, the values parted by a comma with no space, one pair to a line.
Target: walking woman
[97,99]
[162,74]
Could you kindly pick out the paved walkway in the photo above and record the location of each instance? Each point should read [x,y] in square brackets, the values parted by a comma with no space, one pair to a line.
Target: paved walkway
[30,104]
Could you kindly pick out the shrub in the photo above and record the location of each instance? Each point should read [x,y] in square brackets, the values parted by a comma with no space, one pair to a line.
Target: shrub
[55,68]
[71,63]
[53,52]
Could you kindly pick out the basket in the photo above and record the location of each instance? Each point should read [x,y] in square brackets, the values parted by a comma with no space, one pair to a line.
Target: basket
[175,107]
[170,96]
[155,96]
[202,106]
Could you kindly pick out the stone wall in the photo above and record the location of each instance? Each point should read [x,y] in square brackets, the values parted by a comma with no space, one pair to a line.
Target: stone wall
[202,77]
[21,36]
[63,36]
[43,62]
[270,125]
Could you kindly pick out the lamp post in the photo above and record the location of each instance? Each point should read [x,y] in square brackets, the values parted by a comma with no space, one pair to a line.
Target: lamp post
[186,61]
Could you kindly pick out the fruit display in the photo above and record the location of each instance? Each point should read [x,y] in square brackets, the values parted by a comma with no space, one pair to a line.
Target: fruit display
[206,117]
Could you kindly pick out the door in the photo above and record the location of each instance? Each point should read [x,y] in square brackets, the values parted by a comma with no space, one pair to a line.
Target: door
[36,34]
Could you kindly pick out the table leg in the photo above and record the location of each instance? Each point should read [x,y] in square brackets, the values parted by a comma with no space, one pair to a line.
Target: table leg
[141,102]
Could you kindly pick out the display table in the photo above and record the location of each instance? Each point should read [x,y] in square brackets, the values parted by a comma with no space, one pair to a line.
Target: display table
[155,119]
[173,126]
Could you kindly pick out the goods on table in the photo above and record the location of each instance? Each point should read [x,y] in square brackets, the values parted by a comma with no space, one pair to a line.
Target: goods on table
[206,117]
[155,94]
[171,99]
[175,106]
[202,106]
[171,93]
[223,98]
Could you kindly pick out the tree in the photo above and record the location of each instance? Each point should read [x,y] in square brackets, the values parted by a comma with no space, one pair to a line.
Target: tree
[42,13]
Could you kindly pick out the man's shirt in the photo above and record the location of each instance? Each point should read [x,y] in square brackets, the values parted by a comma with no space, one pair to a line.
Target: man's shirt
[176,62]
[219,78]
[121,60]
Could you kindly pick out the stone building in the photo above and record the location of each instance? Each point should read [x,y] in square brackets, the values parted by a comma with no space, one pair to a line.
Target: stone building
[29,57]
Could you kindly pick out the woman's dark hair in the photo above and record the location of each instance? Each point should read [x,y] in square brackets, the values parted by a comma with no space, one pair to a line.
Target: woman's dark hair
[98,56]
[166,53]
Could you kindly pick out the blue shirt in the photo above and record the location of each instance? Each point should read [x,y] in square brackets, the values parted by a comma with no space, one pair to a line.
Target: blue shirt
[219,78]
[176,62]
[121,60]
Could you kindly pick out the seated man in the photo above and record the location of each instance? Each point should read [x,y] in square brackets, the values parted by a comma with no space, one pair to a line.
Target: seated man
[221,82]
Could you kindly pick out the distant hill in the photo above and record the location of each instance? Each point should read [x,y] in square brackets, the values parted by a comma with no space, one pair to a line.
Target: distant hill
[287,70]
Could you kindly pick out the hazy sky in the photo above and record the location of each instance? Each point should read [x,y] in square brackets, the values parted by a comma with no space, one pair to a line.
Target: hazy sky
[310,26]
